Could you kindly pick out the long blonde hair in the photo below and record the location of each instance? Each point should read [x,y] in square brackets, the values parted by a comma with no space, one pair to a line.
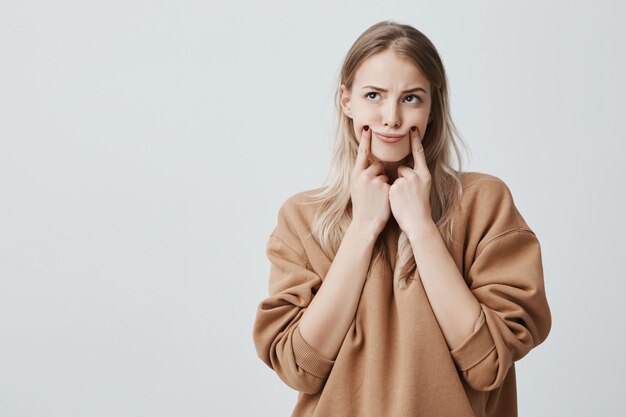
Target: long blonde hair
[334,213]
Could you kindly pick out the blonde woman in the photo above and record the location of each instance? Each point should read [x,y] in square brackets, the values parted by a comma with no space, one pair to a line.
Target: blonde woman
[404,286]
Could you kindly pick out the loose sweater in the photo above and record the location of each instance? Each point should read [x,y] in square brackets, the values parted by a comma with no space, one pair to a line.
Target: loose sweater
[394,360]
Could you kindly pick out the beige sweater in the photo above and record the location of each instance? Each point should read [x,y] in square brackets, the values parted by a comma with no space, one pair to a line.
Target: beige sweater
[394,360]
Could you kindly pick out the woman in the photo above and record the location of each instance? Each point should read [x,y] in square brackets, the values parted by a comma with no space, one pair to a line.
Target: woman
[404,287]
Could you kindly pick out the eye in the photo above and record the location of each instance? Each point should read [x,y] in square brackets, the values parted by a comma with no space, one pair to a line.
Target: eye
[417,97]
[415,101]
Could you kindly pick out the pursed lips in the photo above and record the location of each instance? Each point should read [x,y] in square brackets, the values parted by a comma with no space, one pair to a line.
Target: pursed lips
[390,136]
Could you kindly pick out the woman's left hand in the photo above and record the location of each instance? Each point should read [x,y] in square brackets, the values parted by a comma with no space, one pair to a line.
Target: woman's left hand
[409,195]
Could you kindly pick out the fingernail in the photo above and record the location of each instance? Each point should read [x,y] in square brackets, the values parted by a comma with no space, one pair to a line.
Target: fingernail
[366,128]
[413,128]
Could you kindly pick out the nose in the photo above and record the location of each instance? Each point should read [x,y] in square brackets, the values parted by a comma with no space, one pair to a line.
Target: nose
[392,116]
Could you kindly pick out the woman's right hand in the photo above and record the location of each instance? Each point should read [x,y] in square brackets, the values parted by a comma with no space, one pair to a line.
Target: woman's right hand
[369,189]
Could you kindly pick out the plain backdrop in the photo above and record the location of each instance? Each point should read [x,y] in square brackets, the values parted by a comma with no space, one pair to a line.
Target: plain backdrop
[146,146]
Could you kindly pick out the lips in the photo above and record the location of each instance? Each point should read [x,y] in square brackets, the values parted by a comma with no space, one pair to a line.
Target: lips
[389,139]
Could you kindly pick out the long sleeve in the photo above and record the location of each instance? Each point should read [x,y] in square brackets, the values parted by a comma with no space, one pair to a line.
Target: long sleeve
[507,281]
[276,333]
[480,320]
[504,272]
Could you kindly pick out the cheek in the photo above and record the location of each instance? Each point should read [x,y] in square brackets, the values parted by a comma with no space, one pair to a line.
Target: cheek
[362,116]
[422,115]
[420,120]
[363,113]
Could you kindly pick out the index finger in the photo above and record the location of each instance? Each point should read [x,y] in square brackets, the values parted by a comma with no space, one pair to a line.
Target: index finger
[364,148]
[418,151]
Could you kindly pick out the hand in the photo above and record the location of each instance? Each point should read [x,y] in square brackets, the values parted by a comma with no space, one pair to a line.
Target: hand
[409,195]
[369,189]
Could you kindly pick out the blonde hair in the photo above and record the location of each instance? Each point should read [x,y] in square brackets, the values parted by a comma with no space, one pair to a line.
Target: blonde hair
[333,215]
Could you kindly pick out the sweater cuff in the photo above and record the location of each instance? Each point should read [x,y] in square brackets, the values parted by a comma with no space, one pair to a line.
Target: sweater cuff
[308,358]
[476,347]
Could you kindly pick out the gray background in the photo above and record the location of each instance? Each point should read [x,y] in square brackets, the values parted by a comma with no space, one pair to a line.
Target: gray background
[146,147]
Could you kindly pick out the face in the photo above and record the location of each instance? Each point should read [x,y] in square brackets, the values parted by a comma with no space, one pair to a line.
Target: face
[380,98]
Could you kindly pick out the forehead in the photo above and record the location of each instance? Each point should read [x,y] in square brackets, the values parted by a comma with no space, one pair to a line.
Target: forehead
[389,71]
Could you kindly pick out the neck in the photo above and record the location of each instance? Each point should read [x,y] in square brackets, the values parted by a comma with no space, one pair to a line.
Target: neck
[391,169]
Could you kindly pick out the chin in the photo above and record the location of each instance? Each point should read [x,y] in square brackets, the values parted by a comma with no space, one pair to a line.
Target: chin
[389,158]
[394,153]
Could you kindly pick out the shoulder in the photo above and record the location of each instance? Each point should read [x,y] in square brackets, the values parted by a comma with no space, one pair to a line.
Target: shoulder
[487,204]
[295,217]
[302,197]
[301,204]
[482,184]
[482,191]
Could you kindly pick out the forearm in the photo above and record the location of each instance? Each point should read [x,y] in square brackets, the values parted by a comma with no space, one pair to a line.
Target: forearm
[455,307]
[326,320]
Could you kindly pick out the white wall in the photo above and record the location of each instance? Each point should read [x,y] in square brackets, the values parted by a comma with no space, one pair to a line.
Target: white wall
[145,148]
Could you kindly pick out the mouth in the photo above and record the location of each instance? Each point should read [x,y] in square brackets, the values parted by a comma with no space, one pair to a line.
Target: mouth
[389,138]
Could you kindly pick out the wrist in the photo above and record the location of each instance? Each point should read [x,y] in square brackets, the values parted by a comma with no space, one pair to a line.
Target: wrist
[422,230]
[363,232]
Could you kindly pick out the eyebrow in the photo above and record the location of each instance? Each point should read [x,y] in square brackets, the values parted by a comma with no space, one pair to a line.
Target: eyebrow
[405,91]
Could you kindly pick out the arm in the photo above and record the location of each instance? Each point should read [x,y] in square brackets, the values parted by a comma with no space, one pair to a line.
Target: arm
[455,308]
[507,279]
[292,284]
[504,276]
[325,323]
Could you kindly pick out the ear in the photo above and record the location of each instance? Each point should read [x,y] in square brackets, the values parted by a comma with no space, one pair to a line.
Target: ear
[345,101]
